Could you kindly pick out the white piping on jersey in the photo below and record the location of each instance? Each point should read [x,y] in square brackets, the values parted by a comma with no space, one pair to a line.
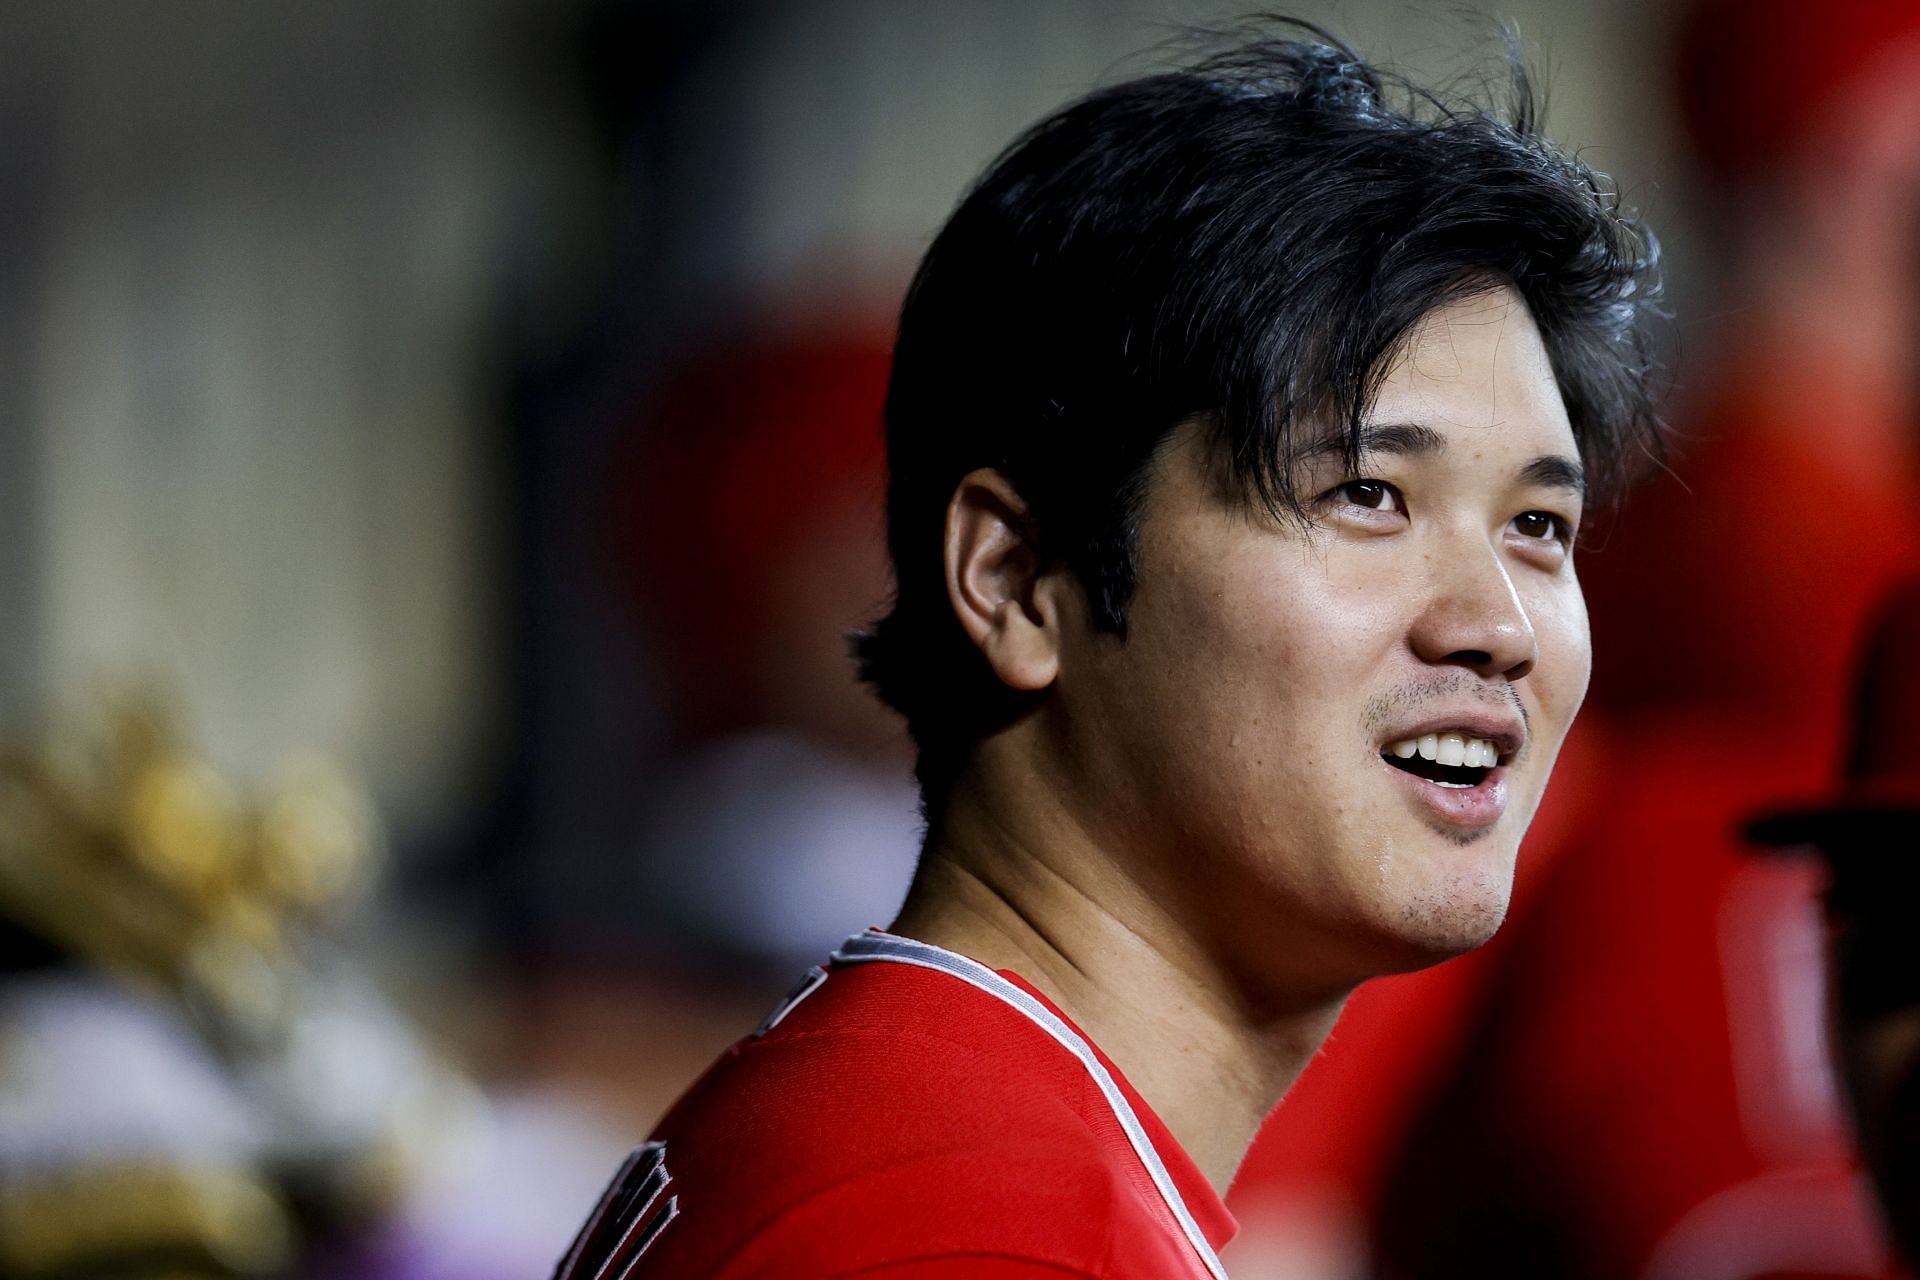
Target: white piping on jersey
[808,984]
[649,1191]
[864,947]
[653,1182]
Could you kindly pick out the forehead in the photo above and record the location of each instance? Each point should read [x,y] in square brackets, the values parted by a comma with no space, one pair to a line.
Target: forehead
[1477,371]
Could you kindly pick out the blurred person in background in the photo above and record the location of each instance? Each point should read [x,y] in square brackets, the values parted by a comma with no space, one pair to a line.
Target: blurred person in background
[1668,1110]
[1867,834]
[749,511]
[1232,504]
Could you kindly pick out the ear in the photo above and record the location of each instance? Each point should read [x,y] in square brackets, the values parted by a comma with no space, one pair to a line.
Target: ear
[1007,604]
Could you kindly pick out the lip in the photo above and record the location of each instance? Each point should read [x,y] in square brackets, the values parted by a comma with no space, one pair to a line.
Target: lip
[1469,808]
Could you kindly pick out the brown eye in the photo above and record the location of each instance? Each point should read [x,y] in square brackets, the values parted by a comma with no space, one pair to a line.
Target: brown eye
[1374,495]
[1542,525]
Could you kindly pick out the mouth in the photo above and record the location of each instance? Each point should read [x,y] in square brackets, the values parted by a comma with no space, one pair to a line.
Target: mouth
[1456,777]
[1446,759]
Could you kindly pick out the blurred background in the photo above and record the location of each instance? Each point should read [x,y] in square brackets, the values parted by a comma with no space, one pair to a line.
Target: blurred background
[439,464]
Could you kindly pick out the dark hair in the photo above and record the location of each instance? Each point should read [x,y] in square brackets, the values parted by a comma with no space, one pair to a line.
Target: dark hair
[1249,240]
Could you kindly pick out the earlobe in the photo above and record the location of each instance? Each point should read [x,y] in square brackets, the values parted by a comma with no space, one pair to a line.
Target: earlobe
[995,582]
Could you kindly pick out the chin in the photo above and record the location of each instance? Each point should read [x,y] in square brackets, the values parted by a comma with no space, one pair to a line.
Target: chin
[1449,922]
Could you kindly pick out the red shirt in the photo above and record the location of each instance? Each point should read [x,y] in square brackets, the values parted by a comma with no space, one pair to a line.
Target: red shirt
[908,1112]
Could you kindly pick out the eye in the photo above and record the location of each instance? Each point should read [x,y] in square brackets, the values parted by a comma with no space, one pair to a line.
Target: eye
[1543,525]
[1372,495]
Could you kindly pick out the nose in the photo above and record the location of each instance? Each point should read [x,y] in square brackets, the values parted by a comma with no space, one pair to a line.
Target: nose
[1474,617]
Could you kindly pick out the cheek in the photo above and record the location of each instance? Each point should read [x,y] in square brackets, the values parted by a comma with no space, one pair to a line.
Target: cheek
[1565,663]
[1259,660]
[1282,622]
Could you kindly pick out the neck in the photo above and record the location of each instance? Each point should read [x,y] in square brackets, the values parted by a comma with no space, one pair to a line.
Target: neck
[1032,898]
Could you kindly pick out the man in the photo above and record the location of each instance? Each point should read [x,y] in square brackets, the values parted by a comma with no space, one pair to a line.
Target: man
[1240,427]
[1868,833]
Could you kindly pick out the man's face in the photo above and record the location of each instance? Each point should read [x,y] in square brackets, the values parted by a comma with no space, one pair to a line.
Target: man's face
[1246,744]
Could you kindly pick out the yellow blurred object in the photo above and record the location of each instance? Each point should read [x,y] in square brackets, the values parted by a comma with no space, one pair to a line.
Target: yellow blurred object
[133,858]
[92,1222]
[317,835]
[184,825]
[120,846]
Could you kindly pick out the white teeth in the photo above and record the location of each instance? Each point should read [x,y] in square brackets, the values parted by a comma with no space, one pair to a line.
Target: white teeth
[1455,749]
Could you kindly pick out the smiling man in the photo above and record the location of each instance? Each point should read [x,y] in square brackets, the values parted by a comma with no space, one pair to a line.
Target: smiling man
[1241,425]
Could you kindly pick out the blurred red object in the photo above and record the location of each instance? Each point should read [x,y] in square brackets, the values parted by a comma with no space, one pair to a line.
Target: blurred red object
[1741,584]
[747,519]
[1756,75]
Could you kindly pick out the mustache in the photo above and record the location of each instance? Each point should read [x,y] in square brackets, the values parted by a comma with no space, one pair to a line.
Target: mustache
[1451,688]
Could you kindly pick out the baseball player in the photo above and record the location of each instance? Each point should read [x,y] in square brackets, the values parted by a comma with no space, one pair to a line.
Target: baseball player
[1241,425]
[1867,832]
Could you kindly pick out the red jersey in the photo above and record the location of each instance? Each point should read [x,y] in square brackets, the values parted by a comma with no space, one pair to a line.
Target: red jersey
[907,1111]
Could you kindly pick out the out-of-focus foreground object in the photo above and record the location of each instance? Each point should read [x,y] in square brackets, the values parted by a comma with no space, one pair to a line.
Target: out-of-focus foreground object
[196,1077]
[1868,833]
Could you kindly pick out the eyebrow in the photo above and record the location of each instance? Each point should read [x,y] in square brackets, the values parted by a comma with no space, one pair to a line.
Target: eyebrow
[1405,439]
[1414,439]
[1555,471]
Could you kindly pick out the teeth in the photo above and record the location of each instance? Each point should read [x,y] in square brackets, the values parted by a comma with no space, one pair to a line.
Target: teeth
[1455,749]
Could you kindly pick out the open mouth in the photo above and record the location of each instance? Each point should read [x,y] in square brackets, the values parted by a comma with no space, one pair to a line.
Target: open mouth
[1447,759]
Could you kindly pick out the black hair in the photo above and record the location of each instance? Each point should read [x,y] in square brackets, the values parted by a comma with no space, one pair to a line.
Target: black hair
[1249,240]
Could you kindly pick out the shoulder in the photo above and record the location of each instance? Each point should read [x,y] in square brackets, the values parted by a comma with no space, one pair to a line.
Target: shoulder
[888,1054]
[1032,1208]
[894,1119]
